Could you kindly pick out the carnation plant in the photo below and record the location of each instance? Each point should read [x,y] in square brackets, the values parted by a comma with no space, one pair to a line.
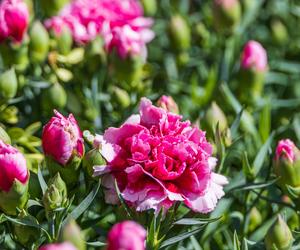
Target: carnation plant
[146,124]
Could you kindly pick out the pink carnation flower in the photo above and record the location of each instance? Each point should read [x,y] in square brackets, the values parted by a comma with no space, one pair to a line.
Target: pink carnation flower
[254,57]
[58,246]
[62,138]
[286,149]
[14,19]
[157,159]
[12,167]
[126,235]
[227,4]
[119,22]
[168,104]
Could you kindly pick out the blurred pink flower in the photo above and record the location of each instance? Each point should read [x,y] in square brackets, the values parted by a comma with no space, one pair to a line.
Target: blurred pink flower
[14,19]
[62,138]
[286,149]
[227,4]
[254,57]
[119,22]
[58,246]
[157,159]
[168,104]
[12,167]
[126,235]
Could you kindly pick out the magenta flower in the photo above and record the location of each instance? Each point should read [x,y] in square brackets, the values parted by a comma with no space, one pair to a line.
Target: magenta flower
[58,246]
[168,104]
[14,19]
[157,159]
[286,149]
[12,167]
[254,57]
[62,138]
[126,235]
[119,22]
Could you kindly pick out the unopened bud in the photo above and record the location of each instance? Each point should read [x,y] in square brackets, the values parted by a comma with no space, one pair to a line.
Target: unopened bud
[180,33]
[52,7]
[227,14]
[150,7]
[4,136]
[54,97]
[279,32]
[8,84]
[168,104]
[64,41]
[72,233]
[279,236]
[255,219]
[39,42]
[121,96]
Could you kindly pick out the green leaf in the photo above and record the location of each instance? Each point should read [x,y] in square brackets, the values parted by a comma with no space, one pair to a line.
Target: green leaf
[236,242]
[250,186]
[196,221]
[33,128]
[178,238]
[260,158]
[265,121]
[42,180]
[236,123]
[122,200]
[248,171]
[79,210]
[96,244]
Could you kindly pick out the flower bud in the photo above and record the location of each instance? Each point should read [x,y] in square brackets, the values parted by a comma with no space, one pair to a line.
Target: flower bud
[8,84]
[56,194]
[72,234]
[279,236]
[59,246]
[64,41]
[150,7]
[4,136]
[14,19]
[39,42]
[26,235]
[126,235]
[14,177]
[255,219]
[91,159]
[227,14]
[168,104]
[180,33]
[127,70]
[121,96]
[63,146]
[54,97]
[279,32]
[254,65]
[52,7]
[287,164]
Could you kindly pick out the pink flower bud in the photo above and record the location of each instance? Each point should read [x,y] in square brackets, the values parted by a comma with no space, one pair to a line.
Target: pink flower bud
[12,167]
[14,19]
[254,57]
[58,246]
[62,138]
[126,235]
[168,104]
[227,4]
[286,149]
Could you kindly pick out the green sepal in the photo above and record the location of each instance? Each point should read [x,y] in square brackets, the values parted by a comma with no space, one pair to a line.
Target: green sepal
[69,173]
[15,198]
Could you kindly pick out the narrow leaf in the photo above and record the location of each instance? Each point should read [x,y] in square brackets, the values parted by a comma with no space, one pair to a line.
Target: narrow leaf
[42,181]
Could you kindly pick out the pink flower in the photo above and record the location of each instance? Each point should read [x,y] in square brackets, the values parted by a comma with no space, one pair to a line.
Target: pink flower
[157,159]
[14,19]
[126,235]
[168,104]
[58,246]
[286,149]
[254,57]
[62,138]
[120,23]
[12,167]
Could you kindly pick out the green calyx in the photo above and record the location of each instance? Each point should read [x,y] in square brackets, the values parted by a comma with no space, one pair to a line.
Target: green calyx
[91,159]
[8,84]
[15,198]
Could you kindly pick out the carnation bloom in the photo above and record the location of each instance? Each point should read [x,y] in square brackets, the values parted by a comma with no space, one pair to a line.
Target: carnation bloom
[126,235]
[227,4]
[12,167]
[62,138]
[254,57]
[14,19]
[120,23]
[58,246]
[157,159]
[286,149]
